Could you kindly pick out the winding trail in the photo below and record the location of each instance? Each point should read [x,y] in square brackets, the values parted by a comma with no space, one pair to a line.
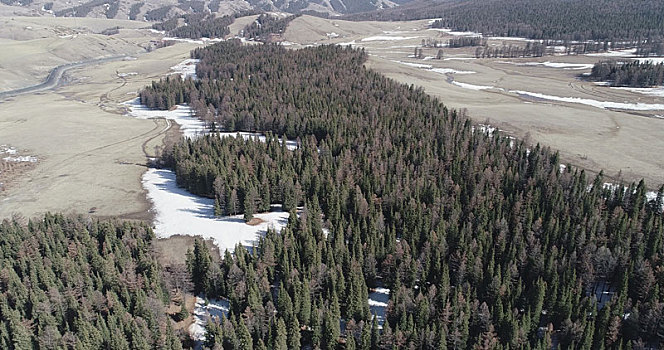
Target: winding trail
[54,77]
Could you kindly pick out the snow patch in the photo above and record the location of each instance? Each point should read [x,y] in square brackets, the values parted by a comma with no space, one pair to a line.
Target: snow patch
[436,70]
[472,86]
[178,212]
[190,126]
[20,159]
[186,68]
[290,144]
[616,53]
[451,71]
[214,309]
[562,65]
[594,103]
[378,300]
[656,91]
[388,38]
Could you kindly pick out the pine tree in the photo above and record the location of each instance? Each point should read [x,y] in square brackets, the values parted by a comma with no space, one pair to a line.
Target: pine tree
[294,334]
[198,263]
[280,336]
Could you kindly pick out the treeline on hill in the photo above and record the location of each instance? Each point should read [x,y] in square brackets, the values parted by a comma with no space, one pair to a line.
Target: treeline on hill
[134,10]
[483,242]
[74,283]
[266,25]
[196,26]
[612,20]
[158,14]
[632,74]
[84,9]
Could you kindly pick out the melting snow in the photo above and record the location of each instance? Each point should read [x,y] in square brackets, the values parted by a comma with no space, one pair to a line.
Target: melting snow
[594,103]
[617,53]
[656,91]
[214,309]
[189,125]
[378,300]
[186,68]
[553,65]
[437,70]
[290,144]
[471,86]
[20,159]
[388,38]
[178,212]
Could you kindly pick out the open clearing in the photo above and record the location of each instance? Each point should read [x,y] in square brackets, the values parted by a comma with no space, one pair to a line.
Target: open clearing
[539,98]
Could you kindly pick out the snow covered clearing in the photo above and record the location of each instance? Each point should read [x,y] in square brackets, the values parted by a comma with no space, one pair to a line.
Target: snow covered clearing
[186,68]
[178,212]
[388,38]
[190,126]
[378,300]
[214,309]
[594,103]
[129,74]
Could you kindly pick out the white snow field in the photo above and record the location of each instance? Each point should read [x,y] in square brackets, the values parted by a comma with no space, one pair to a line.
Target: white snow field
[178,212]
[378,299]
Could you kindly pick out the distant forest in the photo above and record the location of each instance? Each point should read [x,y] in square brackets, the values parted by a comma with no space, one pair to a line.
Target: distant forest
[482,240]
[265,25]
[196,26]
[74,283]
[539,19]
[632,74]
